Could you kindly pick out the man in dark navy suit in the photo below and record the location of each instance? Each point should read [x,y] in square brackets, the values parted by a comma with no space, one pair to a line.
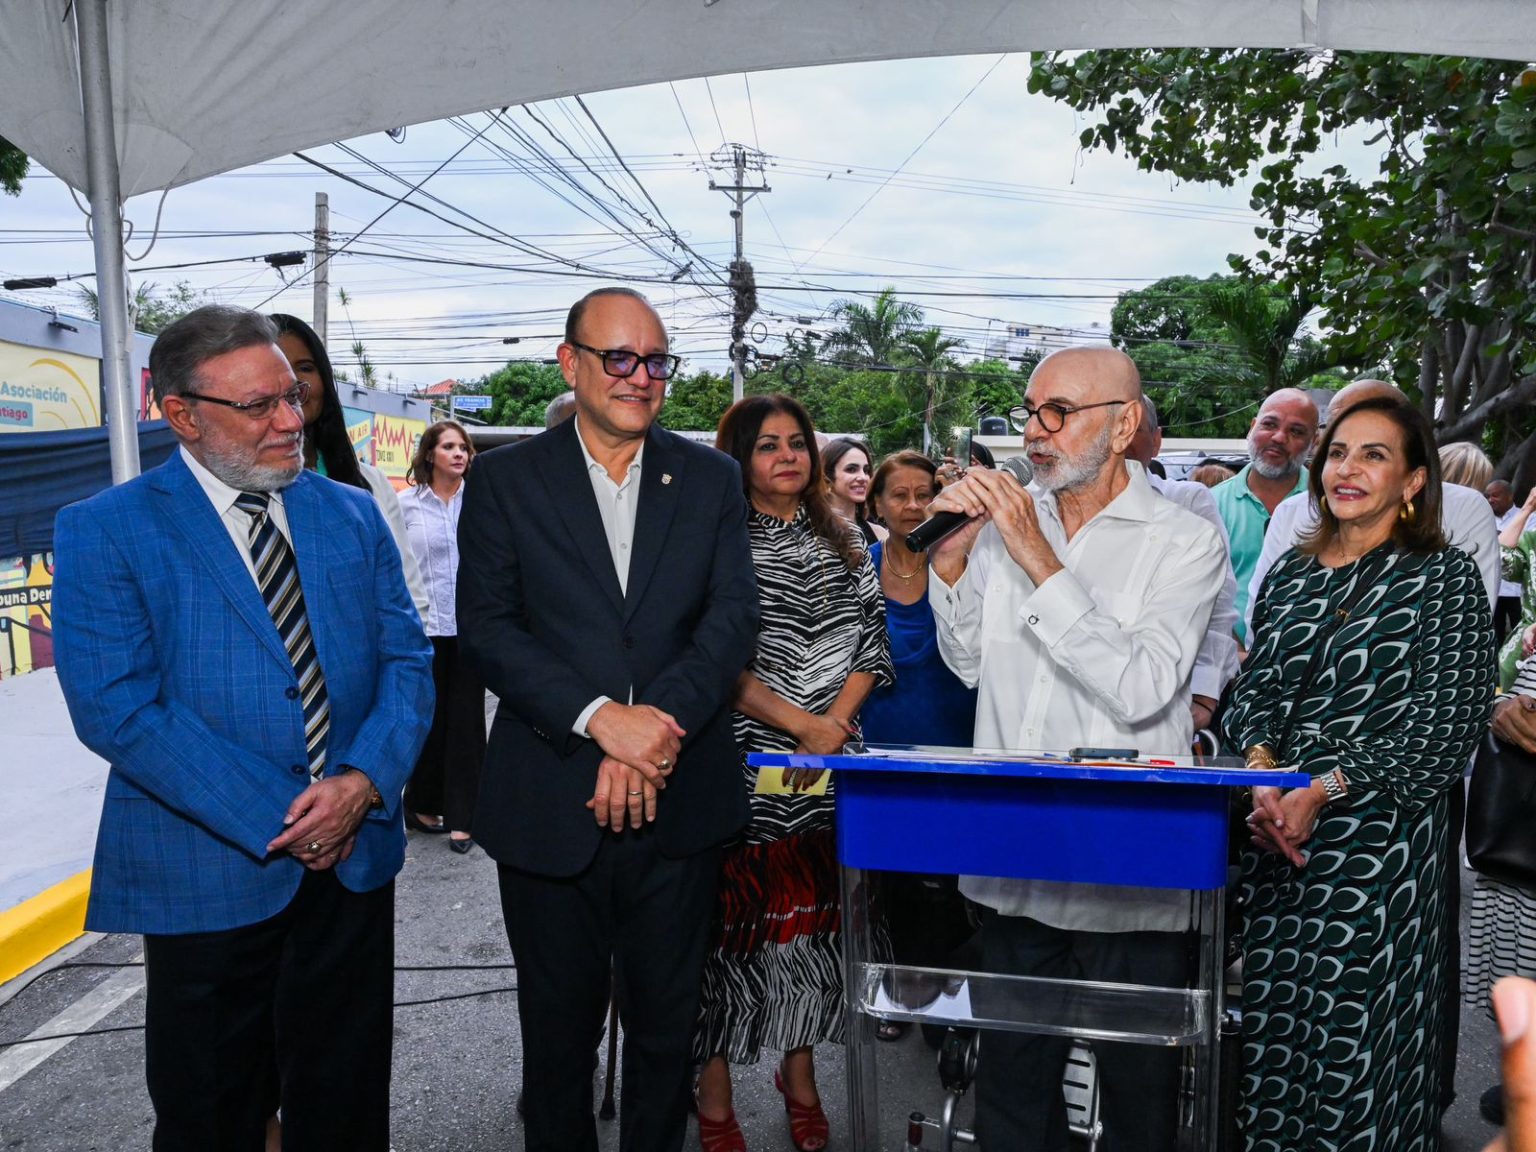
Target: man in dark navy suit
[234,636]
[606,591]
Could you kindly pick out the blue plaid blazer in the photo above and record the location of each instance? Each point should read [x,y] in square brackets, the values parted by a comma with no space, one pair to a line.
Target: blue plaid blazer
[175,675]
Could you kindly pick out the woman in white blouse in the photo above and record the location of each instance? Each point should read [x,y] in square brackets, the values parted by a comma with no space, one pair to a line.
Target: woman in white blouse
[447,775]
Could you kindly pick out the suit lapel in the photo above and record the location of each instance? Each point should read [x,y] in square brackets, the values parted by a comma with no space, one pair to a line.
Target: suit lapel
[186,507]
[661,481]
[564,472]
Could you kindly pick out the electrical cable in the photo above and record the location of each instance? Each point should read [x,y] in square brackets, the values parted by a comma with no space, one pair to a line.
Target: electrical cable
[715,110]
[747,83]
[912,154]
[671,231]
[333,253]
[686,124]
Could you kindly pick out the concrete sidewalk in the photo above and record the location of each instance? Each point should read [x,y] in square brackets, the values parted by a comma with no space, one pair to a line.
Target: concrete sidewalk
[57,782]
[46,851]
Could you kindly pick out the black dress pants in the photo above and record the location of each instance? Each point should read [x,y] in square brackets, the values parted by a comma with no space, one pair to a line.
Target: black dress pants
[645,918]
[446,779]
[1019,1102]
[296,1008]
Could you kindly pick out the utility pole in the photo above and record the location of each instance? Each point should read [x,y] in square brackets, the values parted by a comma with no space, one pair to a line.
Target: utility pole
[322,263]
[743,284]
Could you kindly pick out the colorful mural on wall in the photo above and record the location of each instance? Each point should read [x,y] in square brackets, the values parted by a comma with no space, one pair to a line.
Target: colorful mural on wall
[360,430]
[26,613]
[43,390]
[394,441]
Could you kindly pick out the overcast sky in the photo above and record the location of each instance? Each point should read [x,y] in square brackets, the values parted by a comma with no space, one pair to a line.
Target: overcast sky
[997,199]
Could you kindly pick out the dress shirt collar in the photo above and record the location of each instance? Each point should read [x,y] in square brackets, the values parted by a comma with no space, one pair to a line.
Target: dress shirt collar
[594,466]
[427,492]
[220,494]
[1136,500]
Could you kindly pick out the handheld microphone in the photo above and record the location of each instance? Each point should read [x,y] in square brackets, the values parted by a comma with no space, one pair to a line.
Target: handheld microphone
[941,524]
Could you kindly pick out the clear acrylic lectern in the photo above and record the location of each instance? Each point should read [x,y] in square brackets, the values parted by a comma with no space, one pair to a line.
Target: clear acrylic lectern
[1159,822]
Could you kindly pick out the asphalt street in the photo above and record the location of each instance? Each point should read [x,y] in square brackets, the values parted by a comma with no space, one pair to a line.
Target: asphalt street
[456,1060]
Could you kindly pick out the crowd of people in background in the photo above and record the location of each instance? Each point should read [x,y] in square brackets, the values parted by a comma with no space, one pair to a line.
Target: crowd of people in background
[647,610]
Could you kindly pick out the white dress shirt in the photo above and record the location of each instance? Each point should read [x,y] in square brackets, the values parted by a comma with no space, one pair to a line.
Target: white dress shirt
[1099,655]
[236,522]
[1465,515]
[617,504]
[1217,662]
[432,525]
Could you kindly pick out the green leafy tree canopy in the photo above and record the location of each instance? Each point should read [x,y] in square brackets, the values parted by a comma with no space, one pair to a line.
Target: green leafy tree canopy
[1422,269]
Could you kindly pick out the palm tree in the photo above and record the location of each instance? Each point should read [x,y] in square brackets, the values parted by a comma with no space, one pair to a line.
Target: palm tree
[1263,320]
[872,334]
[928,350]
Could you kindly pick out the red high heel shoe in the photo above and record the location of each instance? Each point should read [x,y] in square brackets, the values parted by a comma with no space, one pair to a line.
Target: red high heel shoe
[808,1127]
[720,1135]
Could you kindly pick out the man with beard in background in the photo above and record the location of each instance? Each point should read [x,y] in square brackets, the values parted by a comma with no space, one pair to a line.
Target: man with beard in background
[1278,443]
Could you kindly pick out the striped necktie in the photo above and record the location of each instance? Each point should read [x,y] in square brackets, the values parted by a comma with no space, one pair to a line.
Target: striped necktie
[277,575]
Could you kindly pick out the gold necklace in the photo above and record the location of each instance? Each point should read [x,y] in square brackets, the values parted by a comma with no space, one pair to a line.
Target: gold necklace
[897,572]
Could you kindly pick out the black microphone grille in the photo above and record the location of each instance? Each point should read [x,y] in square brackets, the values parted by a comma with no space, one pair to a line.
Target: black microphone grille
[1019,467]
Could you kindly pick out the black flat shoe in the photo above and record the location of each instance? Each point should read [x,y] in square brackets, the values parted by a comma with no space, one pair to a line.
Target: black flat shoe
[413,820]
[462,847]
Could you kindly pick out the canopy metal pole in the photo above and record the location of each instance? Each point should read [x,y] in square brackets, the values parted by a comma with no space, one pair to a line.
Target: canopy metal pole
[107,235]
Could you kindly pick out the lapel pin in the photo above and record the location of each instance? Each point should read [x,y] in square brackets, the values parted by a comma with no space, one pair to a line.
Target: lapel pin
[666,477]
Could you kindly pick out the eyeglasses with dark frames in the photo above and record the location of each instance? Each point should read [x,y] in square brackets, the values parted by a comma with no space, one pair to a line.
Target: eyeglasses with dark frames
[622,363]
[1052,416]
[258,409]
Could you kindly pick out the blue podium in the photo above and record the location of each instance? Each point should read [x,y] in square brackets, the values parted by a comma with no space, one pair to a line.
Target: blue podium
[1151,822]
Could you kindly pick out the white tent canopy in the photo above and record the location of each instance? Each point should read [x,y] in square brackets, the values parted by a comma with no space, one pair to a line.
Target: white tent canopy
[183,89]
[204,86]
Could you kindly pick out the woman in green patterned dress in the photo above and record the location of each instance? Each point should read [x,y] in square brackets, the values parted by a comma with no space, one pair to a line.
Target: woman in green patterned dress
[1372,670]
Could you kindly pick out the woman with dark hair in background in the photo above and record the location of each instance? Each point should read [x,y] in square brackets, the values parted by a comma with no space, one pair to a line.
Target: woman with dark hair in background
[847,465]
[1371,671]
[927,704]
[327,447]
[447,775]
[774,976]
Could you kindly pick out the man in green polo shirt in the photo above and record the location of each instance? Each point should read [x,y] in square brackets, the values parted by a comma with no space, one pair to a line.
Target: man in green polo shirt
[1278,442]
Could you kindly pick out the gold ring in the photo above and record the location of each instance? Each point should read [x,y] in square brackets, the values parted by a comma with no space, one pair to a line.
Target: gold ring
[639,793]
[313,845]
[666,763]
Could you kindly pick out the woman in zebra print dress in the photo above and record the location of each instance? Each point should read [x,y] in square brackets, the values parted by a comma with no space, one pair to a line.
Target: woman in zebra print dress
[1502,940]
[774,977]
[1371,670]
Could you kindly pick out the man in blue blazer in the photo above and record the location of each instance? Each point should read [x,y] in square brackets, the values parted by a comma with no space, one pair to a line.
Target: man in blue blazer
[606,591]
[234,636]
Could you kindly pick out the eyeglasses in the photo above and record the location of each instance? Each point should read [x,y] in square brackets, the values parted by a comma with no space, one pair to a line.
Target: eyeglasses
[622,363]
[1052,416]
[258,409]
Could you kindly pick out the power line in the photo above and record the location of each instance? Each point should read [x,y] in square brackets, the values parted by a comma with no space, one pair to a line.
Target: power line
[747,83]
[686,124]
[911,154]
[715,109]
[334,252]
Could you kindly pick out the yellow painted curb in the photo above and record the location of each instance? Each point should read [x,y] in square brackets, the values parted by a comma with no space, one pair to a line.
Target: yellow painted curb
[37,928]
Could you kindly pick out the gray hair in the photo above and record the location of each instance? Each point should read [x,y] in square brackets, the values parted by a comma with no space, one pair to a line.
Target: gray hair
[181,350]
[1148,411]
[560,409]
